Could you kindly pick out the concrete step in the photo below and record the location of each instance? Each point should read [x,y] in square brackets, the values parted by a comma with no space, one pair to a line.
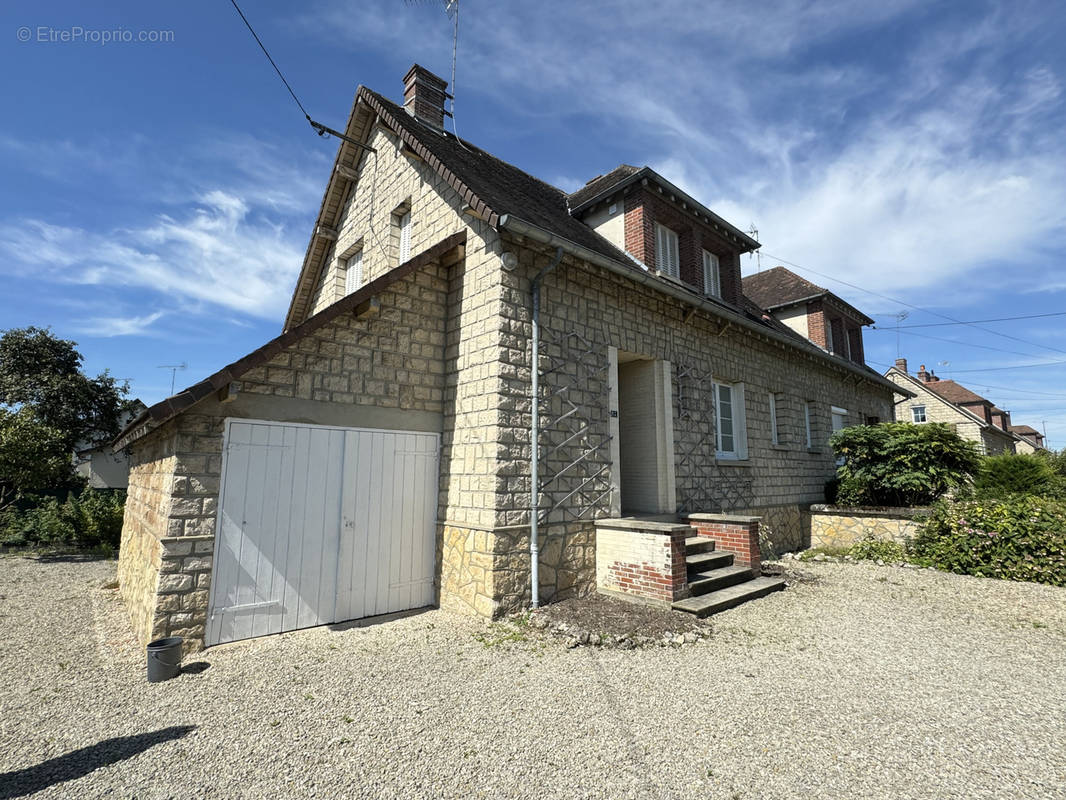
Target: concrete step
[711,560]
[713,602]
[698,544]
[711,580]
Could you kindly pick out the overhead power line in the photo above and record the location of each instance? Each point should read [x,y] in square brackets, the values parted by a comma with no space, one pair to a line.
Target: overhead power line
[950,341]
[911,305]
[997,319]
[320,129]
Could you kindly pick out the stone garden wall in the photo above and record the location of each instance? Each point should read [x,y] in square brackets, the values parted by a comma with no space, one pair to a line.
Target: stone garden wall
[833,527]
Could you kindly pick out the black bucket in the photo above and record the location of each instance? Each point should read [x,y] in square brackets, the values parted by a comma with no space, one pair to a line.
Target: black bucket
[164,659]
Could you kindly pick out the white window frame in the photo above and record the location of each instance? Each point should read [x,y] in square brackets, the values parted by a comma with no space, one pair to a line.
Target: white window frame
[405,236]
[775,436]
[841,414]
[667,251]
[838,414]
[807,423]
[828,334]
[914,415]
[738,420]
[353,274]
[712,274]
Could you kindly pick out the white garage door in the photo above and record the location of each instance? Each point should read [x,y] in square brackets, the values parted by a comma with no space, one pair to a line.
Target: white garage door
[320,525]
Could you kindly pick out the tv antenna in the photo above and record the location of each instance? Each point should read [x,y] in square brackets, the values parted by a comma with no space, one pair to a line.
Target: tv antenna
[945,365]
[900,316]
[173,372]
[753,232]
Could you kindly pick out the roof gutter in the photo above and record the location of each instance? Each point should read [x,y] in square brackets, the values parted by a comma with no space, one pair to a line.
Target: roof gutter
[538,234]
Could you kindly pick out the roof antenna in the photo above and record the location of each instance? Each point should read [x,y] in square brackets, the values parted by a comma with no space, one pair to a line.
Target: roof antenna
[753,232]
[173,372]
[900,316]
[451,8]
[945,365]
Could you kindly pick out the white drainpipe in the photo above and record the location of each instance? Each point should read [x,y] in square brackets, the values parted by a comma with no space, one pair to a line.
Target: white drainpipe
[534,438]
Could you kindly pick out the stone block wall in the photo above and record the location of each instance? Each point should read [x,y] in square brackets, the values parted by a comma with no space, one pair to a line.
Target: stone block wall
[486,572]
[343,374]
[642,559]
[732,534]
[833,527]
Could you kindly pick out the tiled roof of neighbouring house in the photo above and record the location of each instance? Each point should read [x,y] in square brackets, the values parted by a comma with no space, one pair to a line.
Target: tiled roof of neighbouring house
[1024,430]
[954,393]
[777,287]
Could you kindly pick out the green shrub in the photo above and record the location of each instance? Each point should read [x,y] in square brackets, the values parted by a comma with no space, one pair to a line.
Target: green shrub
[91,521]
[878,549]
[1021,537]
[901,464]
[1003,475]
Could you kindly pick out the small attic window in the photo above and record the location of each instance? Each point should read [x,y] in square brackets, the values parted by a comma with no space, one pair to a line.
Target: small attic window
[401,232]
[353,272]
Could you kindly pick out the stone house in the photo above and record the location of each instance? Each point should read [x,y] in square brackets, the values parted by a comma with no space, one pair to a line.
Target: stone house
[378,454]
[1028,439]
[811,311]
[934,400]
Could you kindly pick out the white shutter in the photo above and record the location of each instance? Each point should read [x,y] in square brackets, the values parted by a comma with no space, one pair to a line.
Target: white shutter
[405,237]
[712,279]
[353,278]
[666,251]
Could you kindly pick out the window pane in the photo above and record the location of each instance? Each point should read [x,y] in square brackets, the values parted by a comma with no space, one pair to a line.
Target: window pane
[726,438]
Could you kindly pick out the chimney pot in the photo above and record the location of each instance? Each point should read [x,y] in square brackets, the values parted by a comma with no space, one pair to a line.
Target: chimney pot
[923,376]
[424,94]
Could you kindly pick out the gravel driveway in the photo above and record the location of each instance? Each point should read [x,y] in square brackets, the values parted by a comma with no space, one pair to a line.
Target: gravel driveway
[864,682]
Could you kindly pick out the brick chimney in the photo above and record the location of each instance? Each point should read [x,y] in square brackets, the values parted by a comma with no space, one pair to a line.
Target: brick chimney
[923,376]
[901,364]
[424,94]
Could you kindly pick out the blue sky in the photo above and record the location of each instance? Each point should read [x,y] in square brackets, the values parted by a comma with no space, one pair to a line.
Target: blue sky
[158,196]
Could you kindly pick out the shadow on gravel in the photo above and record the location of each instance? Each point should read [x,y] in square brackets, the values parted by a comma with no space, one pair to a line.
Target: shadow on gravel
[195,668]
[69,558]
[380,619]
[80,763]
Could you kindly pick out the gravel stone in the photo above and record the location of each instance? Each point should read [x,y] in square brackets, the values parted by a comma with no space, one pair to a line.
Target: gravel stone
[871,682]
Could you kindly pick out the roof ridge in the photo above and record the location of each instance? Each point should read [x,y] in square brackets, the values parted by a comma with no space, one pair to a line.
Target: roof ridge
[467,144]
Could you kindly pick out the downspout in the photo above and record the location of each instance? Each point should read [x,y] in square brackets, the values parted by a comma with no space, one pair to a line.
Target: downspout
[534,439]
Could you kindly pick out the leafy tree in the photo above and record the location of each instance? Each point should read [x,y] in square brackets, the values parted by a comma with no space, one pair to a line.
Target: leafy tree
[901,464]
[1007,474]
[43,372]
[33,456]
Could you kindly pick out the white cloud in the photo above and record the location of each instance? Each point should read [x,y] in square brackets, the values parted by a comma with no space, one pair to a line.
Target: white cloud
[106,327]
[219,251]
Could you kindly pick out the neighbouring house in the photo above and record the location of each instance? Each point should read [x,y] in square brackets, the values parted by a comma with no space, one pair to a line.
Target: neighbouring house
[1029,439]
[101,465]
[934,400]
[811,311]
[382,452]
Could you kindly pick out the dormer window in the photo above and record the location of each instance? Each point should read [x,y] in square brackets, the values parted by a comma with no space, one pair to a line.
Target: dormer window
[712,275]
[667,251]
